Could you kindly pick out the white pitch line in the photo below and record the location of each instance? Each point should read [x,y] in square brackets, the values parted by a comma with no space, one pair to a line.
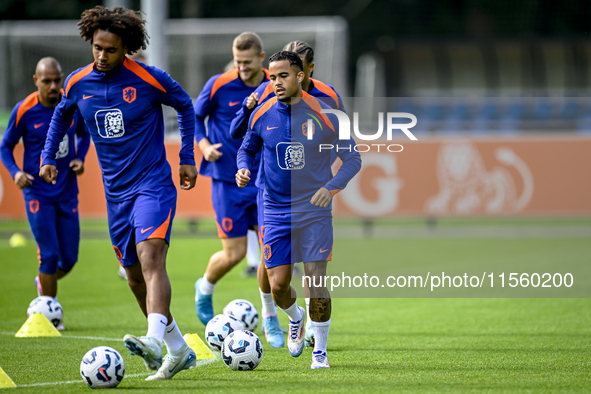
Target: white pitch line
[135,375]
[76,337]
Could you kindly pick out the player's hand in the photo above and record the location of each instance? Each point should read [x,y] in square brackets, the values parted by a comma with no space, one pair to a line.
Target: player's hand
[210,152]
[242,177]
[49,173]
[188,174]
[77,166]
[321,198]
[252,100]
[23,179]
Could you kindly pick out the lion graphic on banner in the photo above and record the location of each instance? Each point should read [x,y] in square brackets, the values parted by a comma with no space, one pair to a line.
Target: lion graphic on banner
[466,187]
[294,157]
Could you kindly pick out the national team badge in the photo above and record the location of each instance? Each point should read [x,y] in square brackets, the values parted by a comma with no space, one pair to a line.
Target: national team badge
[34,206]
[118,253]
[227,224]
[129,94]
[305,128]
[267,252]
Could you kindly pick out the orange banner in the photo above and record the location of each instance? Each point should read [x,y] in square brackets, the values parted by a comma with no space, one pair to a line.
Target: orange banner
[448,177]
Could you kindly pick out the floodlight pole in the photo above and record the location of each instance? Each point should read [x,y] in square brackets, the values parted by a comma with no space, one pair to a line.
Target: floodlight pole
[156,16]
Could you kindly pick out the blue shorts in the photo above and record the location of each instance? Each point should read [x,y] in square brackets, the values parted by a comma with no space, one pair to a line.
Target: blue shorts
[148,215]
[288,242]
[235,208]
[56,228]
[261,214]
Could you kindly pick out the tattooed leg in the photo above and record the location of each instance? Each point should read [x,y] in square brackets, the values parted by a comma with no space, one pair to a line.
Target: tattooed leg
[320,304]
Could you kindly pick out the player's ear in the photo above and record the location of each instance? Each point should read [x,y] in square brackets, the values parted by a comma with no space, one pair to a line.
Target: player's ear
[311,68]
[262,56]
[300,77]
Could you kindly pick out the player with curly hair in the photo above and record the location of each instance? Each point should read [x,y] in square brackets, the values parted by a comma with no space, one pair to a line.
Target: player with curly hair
[121,102]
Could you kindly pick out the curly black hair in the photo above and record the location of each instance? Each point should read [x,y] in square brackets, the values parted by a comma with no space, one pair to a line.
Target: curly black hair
[292,57]
[127,24]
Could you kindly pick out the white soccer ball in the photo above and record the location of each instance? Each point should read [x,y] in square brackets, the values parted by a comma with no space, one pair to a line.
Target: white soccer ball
[102,368]
[242,351]
[219,328]
[49,307]
[244,311]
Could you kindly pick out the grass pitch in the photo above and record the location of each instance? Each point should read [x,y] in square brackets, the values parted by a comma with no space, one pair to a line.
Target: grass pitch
[375,345]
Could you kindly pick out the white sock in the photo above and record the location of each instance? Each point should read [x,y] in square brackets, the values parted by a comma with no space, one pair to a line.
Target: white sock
[253,256]
[205,286]
[320,335]
[308,320]
[293,312]
[269,308]
[173,338]
[156,326]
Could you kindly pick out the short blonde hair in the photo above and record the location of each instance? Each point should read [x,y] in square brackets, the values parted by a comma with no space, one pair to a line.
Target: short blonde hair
[248,40]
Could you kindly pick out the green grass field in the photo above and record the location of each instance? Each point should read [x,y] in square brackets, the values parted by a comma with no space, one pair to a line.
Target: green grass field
[375,345]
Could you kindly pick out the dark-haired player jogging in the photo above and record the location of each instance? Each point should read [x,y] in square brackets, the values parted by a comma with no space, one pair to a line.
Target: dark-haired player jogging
[299,188]
[328,95]
[52,210]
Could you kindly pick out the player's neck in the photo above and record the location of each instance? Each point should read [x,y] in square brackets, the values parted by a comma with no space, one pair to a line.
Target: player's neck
[295,99]
[256,80]
[307,85]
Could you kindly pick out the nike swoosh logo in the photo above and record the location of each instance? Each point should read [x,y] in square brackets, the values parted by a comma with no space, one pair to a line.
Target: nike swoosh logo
[322,251]
[84,97]
[271,128]
[233,103]
[37,125]
[146,229]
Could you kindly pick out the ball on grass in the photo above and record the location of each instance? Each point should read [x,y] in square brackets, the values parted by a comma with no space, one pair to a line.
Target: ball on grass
[17,240]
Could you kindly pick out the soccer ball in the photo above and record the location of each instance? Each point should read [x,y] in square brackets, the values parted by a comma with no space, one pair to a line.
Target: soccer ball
[242,351]
[218,329]
[48,307]
[245,312]
[102,368]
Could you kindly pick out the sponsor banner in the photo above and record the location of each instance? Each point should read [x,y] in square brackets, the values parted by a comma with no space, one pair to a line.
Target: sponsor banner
[529,176]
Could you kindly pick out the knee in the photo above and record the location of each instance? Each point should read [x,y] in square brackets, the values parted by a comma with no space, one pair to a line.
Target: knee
[279,287]
[235,254]
[136,284]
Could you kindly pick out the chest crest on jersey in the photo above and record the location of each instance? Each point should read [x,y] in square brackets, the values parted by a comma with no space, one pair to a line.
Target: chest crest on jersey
[308,129]
[109,123]
[129,94]
[290,155]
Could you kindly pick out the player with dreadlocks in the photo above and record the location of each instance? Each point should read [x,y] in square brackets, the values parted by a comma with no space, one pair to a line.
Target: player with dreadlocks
[121,103]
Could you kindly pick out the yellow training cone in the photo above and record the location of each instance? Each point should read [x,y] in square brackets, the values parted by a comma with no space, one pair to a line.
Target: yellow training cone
[201,350]
[5,380]
[37,325]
